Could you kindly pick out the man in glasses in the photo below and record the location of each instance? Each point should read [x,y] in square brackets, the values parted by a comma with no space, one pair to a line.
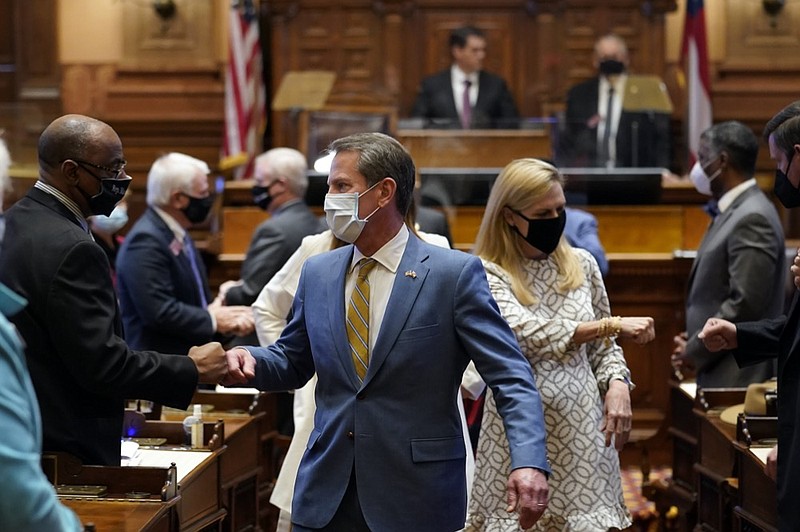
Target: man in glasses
[80,365]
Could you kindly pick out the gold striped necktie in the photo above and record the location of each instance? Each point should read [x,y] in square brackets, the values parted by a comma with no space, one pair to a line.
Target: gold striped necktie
[358,318]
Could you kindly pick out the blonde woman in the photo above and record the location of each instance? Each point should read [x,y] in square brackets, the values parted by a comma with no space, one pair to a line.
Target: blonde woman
[553,297]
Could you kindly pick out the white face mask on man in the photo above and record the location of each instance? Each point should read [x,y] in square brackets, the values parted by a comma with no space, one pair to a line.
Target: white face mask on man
[701,180]
[341,213]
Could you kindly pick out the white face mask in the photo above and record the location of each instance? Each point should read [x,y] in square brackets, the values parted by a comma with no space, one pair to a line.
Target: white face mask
[341,213]
[113,222]
[701,180]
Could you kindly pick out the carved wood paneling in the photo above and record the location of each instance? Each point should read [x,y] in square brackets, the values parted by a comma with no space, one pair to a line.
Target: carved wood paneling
[37,49]
[186,39]
[380,51]
[7,61]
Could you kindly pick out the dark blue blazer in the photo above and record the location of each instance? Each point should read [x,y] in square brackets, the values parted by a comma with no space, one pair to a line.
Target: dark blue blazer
[158,294]
[766,340]
[495,107]
[400,429]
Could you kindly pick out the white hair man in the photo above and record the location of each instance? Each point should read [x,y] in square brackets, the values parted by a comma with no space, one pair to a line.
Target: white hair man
[161,280]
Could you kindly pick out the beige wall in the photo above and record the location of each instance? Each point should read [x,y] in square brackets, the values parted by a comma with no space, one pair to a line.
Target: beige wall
[91,31]
[715,14]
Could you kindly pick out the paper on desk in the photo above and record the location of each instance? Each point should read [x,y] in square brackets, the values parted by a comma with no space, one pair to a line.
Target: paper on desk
[129,455]
[222,389]
[689,388]
[185,460]
[761,453]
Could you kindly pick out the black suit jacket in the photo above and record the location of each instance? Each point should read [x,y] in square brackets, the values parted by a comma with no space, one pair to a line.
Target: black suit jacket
[433,221]
[272,244]
[81,367]
[494,108]
[160,300]
[764,340]
[642,137]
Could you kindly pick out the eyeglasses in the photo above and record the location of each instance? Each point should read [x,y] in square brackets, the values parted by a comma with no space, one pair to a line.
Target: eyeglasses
[118,172]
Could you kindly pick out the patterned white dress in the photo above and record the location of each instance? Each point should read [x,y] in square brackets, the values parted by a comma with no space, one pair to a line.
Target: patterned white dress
[585,485]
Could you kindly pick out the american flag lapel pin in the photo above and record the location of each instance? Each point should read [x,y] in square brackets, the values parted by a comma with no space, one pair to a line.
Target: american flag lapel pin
[412,274]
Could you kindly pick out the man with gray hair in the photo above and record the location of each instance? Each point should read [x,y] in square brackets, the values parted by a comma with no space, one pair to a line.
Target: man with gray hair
[163,288]
[280,189]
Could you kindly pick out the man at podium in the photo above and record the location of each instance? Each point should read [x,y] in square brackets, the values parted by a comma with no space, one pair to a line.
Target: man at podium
[464,96]
[615,119]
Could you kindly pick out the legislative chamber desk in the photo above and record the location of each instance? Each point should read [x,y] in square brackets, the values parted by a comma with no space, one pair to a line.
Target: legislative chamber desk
[475,148]
[155,496]
[718,481]
[222,486]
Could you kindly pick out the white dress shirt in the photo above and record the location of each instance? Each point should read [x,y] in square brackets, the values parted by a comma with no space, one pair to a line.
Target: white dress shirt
[613,120]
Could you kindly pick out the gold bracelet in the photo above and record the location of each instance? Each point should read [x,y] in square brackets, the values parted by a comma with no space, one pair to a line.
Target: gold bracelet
[602,328]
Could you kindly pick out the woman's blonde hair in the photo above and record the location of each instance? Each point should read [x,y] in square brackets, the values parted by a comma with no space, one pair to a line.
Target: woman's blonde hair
[522,183]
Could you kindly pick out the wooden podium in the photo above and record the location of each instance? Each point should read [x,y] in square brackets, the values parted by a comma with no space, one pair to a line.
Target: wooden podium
[474,148]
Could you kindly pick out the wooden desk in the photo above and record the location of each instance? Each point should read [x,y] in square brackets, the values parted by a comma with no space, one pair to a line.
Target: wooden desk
[474,148]
[678,491]
[716,483]
[246,475]
[757,508]
[126,515]
[168,501]
[250,467]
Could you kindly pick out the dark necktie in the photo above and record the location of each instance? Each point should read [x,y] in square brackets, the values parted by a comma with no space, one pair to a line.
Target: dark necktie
[466,106]
[712,208]
[605,147]
[188,248]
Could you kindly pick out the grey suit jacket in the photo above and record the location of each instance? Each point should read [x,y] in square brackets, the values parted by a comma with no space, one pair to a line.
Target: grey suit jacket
[739,274]
[272,244]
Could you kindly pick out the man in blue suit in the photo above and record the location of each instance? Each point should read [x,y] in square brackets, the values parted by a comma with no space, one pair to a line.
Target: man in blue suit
[163,288]
[387,450]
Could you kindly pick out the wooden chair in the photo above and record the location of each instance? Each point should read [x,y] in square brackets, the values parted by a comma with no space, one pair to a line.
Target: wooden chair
[316,129]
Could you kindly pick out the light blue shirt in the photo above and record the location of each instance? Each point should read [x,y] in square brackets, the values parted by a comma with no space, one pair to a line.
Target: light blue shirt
[28,501]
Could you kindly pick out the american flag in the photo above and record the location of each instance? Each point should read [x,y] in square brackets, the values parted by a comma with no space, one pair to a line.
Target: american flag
[244,91]
[694,58]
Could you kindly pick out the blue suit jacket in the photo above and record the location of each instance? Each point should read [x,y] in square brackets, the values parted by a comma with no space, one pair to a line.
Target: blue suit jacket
[581,232]
[400,429]
[158,295]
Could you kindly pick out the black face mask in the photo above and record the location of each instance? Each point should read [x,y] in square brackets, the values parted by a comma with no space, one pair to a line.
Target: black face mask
[198,208]
[787,193]
[610,67]
[261,196]
[111,192]
[544,233]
